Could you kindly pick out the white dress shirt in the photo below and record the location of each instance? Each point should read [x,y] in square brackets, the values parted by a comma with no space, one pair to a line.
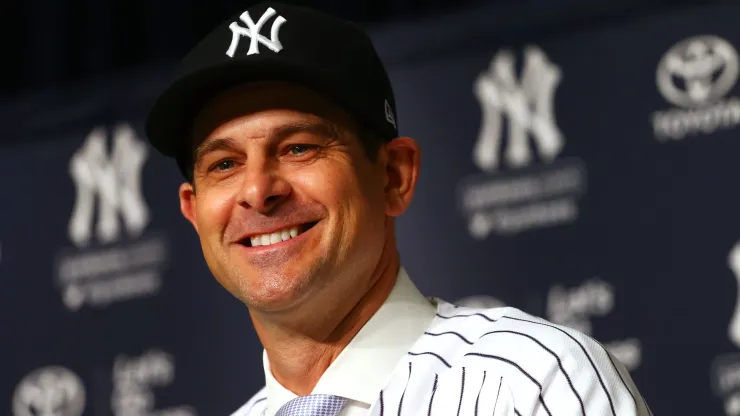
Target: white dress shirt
[419,356]
[366,364]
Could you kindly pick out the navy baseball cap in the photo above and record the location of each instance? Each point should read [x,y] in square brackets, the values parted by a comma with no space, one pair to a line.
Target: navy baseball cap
[275,42]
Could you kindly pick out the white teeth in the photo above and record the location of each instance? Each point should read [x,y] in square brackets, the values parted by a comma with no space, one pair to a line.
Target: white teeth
[276,237]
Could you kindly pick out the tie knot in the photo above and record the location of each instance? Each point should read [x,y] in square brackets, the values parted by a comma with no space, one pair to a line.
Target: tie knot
[313,405]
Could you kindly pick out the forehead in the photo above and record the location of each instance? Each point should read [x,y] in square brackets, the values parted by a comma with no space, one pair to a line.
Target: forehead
[260,97]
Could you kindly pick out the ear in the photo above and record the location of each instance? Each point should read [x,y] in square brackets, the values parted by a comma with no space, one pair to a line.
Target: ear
[187,203]
[403,162]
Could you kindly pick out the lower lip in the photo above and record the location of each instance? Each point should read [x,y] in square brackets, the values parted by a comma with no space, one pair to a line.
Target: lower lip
[277,246]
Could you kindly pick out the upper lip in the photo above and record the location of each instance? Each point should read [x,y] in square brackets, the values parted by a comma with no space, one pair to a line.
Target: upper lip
[271,230]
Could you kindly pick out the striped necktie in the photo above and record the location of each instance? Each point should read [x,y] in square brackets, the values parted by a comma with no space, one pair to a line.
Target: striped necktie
[313,405]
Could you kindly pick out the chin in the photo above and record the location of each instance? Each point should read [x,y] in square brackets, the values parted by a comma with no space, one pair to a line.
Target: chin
[273,291]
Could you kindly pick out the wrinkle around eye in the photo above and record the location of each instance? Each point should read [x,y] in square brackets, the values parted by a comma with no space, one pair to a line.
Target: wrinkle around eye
[308,149]
[215,166]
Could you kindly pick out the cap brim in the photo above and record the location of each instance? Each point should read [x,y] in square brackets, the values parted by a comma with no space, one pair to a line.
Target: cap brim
[169,123]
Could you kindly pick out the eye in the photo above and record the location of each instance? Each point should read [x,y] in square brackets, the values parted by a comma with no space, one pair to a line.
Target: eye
[222,165]
[299,149]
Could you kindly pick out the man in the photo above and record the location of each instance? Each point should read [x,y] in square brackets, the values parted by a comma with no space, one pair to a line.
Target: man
[295,172]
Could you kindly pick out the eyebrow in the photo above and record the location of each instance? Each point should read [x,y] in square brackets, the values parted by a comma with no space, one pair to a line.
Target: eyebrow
[203,149]
[320,128]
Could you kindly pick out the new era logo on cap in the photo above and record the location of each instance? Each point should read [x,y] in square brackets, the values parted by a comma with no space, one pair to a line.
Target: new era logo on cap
[253,30]
[389,114]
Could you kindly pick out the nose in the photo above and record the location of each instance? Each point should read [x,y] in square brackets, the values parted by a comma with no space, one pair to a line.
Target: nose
[263,187]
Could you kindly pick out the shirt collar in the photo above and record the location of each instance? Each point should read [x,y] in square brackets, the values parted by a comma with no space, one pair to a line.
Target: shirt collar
[366,364]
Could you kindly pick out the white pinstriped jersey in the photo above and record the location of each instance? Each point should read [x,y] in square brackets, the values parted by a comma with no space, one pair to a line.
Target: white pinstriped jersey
[500,362]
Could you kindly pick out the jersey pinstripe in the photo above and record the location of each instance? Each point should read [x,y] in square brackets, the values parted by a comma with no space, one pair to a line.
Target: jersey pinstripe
[501,362]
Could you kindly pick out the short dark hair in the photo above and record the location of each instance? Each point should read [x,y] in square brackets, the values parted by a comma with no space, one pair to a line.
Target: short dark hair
[370,141]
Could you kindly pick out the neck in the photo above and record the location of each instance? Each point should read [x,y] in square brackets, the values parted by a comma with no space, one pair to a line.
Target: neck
[300,350]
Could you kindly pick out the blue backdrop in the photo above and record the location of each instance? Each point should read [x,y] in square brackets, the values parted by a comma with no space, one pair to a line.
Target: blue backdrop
[585,178]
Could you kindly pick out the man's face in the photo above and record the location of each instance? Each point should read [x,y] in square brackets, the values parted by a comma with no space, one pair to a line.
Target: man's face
[286,201]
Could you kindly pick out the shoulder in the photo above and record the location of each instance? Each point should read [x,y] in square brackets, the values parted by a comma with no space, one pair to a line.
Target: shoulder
[536,360]
[255,405]
[511,332]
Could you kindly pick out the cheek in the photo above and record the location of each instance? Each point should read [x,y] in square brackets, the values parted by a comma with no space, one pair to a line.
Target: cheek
[328,185]
[354,197]
[213,209]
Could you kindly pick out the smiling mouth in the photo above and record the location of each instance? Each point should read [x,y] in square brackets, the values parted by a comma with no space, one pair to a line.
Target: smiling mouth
[277,236]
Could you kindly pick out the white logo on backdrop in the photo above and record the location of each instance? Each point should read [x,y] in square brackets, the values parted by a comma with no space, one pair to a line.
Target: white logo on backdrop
[698,71]
[105,267]
[527,104]
[49,391]
[725,370]
[253,30]
[734,328]
[529,195]
[135,380]
[114,180]
[576,307]
[696,74]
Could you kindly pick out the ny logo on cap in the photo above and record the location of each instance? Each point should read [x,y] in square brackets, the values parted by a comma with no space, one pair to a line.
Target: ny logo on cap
[253,32]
